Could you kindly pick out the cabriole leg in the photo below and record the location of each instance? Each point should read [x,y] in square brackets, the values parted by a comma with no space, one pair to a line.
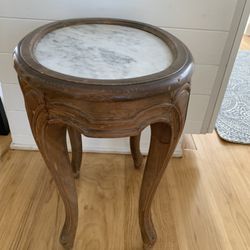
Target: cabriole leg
[135,150]
[162,145]
[52,144]
[76,145]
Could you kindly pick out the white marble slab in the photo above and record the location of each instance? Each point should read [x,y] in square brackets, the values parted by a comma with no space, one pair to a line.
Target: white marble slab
[102,51]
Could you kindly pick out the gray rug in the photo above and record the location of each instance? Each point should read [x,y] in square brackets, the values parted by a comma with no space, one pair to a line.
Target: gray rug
[233,122]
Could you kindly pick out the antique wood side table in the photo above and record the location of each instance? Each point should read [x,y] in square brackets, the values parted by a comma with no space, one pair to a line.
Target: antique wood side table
[104,78]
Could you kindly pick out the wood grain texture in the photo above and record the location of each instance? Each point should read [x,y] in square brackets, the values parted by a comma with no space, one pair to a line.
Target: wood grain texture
[200,204]
[76,146]
[4,144]
[135,150]
[163,142]
[49,130]
[101,108]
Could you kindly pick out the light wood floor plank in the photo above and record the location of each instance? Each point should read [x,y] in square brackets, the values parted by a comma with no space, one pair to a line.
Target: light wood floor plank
[4,144]
[202,202]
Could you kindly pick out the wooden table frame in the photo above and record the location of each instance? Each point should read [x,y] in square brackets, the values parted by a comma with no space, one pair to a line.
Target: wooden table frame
[57,103]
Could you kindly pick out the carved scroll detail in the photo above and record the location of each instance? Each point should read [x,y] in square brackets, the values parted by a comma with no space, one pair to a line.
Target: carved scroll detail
[49,122]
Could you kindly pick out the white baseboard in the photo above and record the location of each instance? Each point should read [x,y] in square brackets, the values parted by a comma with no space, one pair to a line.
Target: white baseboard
[95,148]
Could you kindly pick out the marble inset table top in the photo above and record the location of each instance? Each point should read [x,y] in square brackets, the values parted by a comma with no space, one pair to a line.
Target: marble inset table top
[102,51]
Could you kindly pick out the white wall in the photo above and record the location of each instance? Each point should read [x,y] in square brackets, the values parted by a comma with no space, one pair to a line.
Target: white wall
[1,91]
[203,25]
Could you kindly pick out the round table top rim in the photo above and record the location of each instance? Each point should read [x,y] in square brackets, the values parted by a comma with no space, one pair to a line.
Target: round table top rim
[24,51]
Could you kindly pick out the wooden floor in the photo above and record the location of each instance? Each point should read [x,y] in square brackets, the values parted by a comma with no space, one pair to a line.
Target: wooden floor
[4,144]
[202,202]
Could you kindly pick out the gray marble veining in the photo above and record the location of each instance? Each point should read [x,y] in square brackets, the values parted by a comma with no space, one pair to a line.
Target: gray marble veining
[103,51]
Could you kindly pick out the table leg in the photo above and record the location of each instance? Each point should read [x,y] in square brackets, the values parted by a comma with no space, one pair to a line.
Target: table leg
[135,150]
[76,145]
[163,142]
[51,139]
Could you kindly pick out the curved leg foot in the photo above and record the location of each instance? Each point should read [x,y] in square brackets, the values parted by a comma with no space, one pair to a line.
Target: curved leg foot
[135,150]
[52,144]
[76,145]
[162,145]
